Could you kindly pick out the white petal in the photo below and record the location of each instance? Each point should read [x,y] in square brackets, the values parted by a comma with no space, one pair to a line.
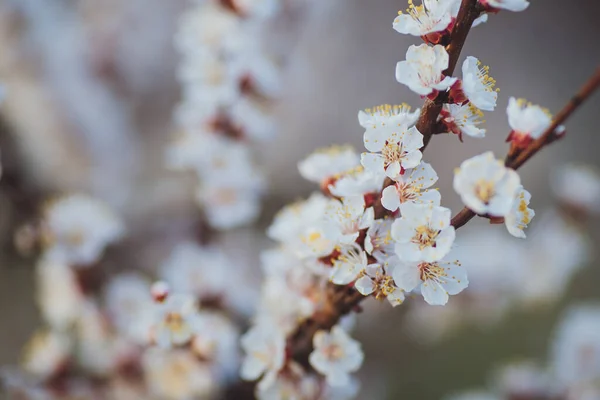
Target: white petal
[433,293]
[372,162]
[390,199]
[365,285]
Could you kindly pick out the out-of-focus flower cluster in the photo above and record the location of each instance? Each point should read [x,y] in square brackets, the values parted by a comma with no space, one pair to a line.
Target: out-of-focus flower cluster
[118,336]
[573,370]
[228,85]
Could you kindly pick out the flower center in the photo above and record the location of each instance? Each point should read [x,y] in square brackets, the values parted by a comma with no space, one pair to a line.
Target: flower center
[425,236]
[384,286]
[333,352]
[430,271]
[484,190]
[392,152]
[174,321]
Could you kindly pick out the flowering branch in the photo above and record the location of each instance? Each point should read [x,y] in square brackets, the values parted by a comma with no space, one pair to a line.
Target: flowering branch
[469,11]
[517,159]
[341,300]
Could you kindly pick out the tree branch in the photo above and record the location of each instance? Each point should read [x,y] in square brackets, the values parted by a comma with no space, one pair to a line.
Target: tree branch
[469,11]
[341,300]
[549,136]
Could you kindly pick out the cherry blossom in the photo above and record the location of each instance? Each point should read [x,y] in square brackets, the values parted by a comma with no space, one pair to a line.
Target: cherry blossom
[265,355]
[379,242]
[378,282]
[527,121]
[462,119]
[433,16]
[520,214]
[348,265]
[477,85]
[412,187]
[423,232]
[392,151]
[46,353]
[175,320]
[328,162]
[344,219]
[177,374]
[336,355]
[357,182]
[510,5]
[435,280]
[78,228]
[486,186]
[577,185]
[423,70]
[388,116]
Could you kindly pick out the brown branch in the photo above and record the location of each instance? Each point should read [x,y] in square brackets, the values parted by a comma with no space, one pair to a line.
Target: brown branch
[469,11]
[549,136]
[341,300]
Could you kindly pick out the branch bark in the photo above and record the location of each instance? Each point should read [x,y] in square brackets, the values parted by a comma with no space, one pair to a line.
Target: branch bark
[549,136]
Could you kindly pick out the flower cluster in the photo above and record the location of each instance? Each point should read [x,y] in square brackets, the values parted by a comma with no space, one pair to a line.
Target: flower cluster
[573,371]
[177,339]
[505,274]
[228,84]
[377,229]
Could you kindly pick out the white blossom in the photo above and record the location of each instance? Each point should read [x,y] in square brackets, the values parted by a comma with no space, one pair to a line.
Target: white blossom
[177,374]
[377,281]
[510,5]
[477,85]
[576,348]
[78,228]
[175,320]
[216,339]
[344,219]
[435,280]
[129,306]
[328,162]
[520,214]
[527,121]
[577,185]
[202,271]
[348,265]
[414,187]
[429,17]
[388,116]
[463,119]
[335,355]
[357,182]
[423,70]
[379,242]
[59,295]
[486,186]
[392,150]
[423,232]
[46,353]
[265,355]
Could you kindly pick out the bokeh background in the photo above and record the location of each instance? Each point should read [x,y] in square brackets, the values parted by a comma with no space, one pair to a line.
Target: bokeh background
[92,87]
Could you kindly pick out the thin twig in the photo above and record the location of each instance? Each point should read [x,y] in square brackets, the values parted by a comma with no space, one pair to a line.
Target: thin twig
[465,215]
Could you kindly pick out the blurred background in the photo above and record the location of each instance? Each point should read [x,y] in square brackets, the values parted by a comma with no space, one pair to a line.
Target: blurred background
[91,90]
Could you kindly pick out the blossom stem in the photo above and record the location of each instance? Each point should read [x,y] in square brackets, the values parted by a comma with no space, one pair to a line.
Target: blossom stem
[465,215]
[548,136]
[340,300]
[469,11]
